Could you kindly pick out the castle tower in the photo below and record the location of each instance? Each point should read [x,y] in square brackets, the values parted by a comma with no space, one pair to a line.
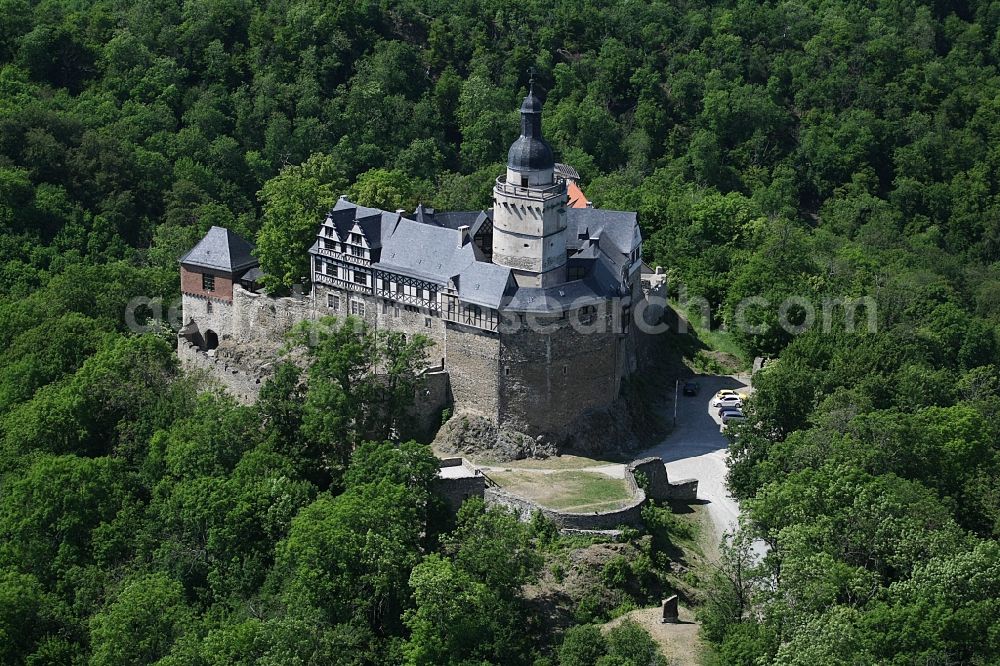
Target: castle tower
[529,212]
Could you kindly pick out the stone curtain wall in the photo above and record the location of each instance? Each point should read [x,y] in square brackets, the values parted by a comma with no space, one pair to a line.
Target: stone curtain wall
[432,396]
[471,360]
[219,320]
[657,485]
[235,381]
[259,317]
[548,380]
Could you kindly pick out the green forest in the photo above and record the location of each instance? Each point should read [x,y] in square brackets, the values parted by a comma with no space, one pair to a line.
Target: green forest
[822,150]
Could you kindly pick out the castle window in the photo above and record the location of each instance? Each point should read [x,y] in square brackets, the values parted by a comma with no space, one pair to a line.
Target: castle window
[397,311]
[506,371]
[207,282]
[385,307]
[427,322]
[356,251]
[333,302]
[358,308]
[360,278]
[208,307]
[588,315]
[356,239]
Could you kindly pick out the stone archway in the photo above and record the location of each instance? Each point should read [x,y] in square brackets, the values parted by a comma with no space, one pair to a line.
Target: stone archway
[211,339]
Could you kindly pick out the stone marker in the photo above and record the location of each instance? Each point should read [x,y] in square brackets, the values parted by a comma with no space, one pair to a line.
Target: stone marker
[670,614]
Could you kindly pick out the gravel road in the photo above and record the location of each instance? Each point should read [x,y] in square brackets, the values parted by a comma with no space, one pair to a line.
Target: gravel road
[695,449]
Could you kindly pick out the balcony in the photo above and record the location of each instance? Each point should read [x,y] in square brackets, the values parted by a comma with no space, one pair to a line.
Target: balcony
[530,192]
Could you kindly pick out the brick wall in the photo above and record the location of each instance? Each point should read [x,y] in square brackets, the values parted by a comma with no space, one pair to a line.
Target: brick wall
[191,283]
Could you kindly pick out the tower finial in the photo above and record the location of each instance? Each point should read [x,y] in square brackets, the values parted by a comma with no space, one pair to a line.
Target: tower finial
[531,79]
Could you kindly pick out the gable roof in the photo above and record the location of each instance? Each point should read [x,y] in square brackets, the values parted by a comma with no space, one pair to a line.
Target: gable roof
[221,250]
[575,196]
[617,230]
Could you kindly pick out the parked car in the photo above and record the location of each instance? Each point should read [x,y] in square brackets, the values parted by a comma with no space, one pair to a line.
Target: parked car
[691,388]
[743,395]
[729,410]
[733,417]
[728,401]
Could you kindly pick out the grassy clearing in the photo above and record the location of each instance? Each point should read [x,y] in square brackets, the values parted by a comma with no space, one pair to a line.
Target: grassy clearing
[567,490]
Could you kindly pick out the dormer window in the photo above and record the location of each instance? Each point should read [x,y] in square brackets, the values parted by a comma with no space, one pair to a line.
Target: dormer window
[356,239]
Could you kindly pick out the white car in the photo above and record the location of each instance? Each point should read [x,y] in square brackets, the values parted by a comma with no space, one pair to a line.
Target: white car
[728,401]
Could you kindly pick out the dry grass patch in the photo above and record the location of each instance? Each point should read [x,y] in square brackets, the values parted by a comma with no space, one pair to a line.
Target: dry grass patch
[567,490]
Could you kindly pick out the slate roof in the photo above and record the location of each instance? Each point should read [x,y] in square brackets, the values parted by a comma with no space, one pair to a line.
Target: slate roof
[429,248]
[483,283]
[221,250]
[530,152]
[617,230]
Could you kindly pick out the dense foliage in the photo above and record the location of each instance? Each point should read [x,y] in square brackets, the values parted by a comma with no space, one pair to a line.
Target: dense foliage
[822,150]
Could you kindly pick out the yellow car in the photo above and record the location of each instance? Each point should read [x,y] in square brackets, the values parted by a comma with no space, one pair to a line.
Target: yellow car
[742,395]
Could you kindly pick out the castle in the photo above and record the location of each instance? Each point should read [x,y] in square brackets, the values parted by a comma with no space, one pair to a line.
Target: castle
[529,306]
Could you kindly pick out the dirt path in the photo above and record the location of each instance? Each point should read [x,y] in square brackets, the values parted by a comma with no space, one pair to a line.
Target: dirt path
[679,643]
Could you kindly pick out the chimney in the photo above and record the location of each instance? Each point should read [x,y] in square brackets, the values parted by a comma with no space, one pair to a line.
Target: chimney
[400,211]
[463,235]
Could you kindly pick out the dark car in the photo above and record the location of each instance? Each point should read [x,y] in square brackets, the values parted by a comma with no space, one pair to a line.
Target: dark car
[691,388]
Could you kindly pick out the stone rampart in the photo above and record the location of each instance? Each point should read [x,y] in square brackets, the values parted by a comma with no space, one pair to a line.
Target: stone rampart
[431,397]
[235,381]
[262,318]
[658,485]
[630,514]
[547,380]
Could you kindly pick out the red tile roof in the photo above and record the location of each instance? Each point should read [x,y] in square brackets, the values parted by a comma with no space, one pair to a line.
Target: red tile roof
[576,197]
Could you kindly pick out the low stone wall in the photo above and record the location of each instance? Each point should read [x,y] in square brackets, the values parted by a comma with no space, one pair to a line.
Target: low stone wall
[685,490]
[630,515]
[657,485]
[456,491]
[235,381]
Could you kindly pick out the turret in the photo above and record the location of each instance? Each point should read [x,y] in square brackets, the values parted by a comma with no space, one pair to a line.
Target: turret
[529,212]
